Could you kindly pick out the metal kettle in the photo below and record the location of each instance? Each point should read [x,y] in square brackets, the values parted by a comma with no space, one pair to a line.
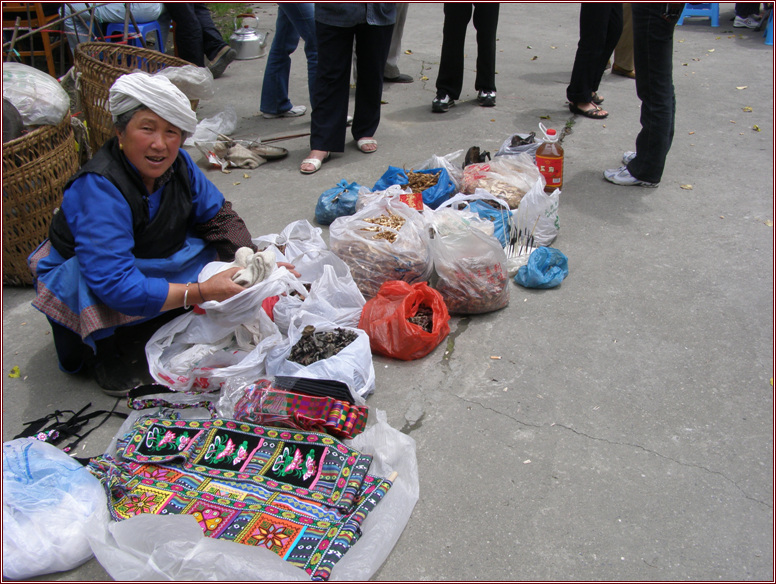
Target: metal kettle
[246,40]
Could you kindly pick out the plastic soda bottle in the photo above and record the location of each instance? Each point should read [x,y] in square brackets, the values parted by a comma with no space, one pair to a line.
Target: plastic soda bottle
[549,159]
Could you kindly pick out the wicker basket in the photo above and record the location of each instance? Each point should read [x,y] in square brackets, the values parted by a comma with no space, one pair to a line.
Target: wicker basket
[36,167]
[100,64]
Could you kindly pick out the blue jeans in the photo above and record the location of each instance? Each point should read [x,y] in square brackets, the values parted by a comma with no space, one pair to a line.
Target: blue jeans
[77,29]
[294,21]
[653,52]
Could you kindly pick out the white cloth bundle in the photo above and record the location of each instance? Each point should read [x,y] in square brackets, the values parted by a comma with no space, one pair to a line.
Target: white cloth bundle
[157,93]
[256,266]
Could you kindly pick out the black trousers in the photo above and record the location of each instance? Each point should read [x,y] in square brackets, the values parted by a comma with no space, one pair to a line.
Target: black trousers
[653,52]
[195,34]
[457,15]
[600,27]
[332,83]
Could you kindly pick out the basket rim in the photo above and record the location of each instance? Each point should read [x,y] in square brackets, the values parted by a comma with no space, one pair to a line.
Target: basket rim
[82,48]
[37,132]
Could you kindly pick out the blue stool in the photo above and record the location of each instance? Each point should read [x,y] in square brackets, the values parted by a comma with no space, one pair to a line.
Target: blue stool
[706,9]
[768,34]
[115,32]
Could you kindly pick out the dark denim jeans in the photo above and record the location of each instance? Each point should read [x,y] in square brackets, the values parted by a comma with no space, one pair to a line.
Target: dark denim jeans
[600,26]
[294,21]
[653,51]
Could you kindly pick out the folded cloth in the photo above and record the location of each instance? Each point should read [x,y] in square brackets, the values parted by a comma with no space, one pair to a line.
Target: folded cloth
[256,266]
[241,157]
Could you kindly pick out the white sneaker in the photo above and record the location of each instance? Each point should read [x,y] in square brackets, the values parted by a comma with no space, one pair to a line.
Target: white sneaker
[295,111]
[621,176]
[748,22]
[627,157]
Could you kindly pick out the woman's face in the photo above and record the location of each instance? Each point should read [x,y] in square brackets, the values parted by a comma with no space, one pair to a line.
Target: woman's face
[151,144]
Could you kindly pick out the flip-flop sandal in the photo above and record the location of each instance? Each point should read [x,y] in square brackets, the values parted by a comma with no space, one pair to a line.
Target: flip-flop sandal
[315,162]
[595,114]
[597,99]
[361,142]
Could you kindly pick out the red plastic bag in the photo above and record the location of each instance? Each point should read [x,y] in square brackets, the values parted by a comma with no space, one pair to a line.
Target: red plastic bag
[385,319]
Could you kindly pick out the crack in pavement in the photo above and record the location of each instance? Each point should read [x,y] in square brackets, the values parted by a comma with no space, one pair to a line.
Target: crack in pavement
[615,443]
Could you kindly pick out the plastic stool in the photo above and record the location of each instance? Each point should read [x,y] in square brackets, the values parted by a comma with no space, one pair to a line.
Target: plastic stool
[768,34]
[706,9]
[115,32]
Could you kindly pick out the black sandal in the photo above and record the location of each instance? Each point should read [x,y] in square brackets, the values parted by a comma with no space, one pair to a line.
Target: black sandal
[597,99]
[595,114]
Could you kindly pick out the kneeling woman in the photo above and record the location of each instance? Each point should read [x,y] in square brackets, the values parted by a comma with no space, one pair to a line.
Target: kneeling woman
[136,225]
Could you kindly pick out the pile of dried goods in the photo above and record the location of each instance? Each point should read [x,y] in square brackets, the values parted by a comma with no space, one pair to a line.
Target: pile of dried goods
[316,346]
[390,220]
[420,181]
[424,318]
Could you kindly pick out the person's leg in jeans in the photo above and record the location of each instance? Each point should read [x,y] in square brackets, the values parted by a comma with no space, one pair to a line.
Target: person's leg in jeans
[372,44]
[653,42]
[486,22]
[613,31]
[593,51]
[274,87]
[302,16]
[450,77]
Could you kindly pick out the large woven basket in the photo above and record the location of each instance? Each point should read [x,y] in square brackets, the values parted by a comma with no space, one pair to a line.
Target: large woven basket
[36,167]
[100,64]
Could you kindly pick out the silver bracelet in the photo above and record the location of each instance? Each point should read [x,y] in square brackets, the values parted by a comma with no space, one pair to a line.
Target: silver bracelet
[186,297]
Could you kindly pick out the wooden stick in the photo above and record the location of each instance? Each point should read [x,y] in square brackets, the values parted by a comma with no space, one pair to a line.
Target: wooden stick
[392,476]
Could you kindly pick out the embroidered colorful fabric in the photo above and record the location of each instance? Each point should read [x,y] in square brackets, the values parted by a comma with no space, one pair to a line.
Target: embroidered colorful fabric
[262,403]
[302,495]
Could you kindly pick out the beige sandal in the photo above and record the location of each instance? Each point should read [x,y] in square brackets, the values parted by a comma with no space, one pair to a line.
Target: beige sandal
[315,162]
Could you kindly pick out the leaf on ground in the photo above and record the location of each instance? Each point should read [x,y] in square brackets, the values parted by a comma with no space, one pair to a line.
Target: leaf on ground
[691,133]
[769,223]
[544,117]
[686,187]
[756,128]
[424,78]
[236,183]
[742,87]
[746,109]
[246,176]
[711,50]
[534,57]
[408,52]
[14,372]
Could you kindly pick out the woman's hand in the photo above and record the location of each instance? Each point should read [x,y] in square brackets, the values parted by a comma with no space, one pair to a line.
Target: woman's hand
[220,287]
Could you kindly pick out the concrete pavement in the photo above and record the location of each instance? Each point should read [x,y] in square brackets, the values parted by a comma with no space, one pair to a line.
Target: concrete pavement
[626,432]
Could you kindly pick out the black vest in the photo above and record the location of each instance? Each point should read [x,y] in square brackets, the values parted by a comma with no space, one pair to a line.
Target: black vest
[158,238]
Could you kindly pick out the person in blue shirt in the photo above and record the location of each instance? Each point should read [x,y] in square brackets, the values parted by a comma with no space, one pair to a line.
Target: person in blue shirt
[136,225]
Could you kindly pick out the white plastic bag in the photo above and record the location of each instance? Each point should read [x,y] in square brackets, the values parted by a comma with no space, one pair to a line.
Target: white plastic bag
[296,238]
[367,197]
[538,214]
[506,177]
[195,353]
[173,547]
[208,129]
[450,162]
[352,365]
[39,97]
[374,259]
[195,82]
[469,262]
[49,501]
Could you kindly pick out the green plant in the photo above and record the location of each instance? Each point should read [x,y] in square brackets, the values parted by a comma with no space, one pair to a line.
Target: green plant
[224,13]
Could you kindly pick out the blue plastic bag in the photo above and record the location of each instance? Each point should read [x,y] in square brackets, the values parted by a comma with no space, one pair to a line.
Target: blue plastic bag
[337,202]
[432,197]
[499,217]
[546,268]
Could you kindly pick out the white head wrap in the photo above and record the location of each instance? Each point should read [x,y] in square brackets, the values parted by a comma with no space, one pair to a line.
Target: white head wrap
[157,93]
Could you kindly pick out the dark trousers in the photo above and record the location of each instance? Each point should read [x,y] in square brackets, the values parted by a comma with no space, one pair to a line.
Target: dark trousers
[600,27]
[332,83]
[457,15]
[745,9]
[653,48]
[195,34]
